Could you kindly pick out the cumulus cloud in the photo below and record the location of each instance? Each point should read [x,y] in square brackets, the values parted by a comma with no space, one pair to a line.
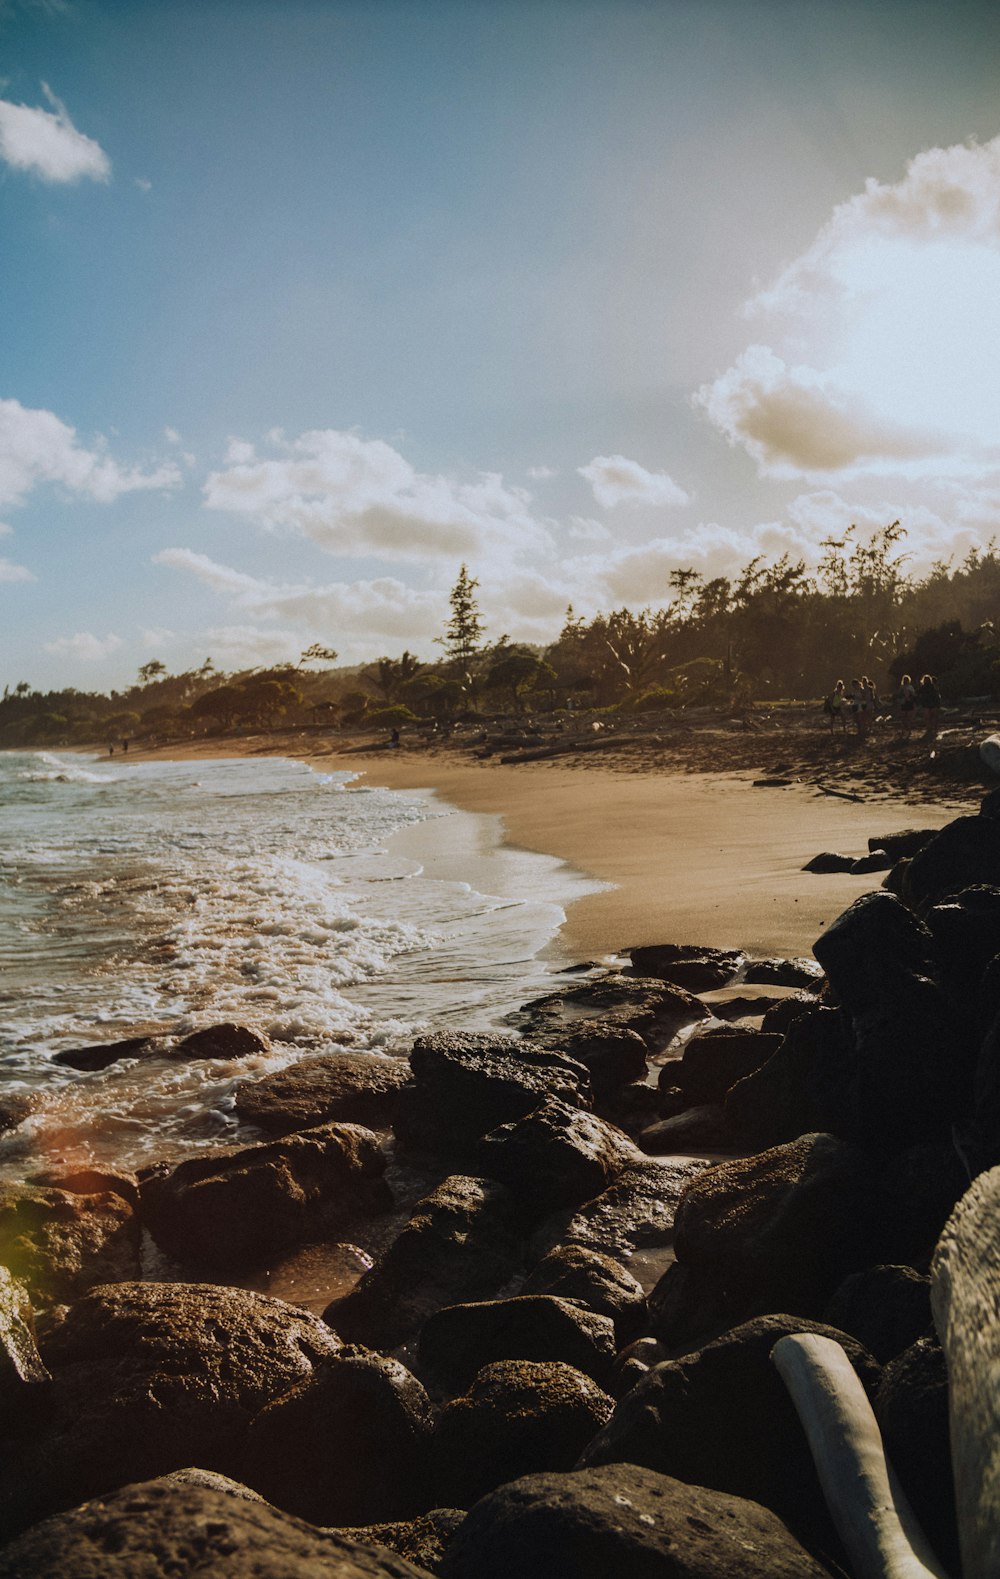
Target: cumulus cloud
[369,613]
[795,422]
[360,496]
[970,518]
[616,480]
[46,143]
[84,646]
[36,447]
[11,572]
[541,473]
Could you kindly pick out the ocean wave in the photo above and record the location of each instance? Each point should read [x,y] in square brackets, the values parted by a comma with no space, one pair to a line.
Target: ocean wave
[55,771]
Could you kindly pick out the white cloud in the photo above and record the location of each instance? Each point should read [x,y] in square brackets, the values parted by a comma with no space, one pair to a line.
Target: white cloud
[84,646]
[36,447]
[795,422]
[171,435]
[12,572]
[616,480]
[143,184]
[355,496]
[541,473]
[47,143]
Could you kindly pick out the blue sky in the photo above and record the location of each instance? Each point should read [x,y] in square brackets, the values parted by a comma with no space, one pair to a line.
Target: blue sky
[302,305]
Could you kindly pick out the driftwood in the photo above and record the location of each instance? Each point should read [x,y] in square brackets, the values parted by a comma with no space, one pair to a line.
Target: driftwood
[824,789]
[965,1297]
[869,1508]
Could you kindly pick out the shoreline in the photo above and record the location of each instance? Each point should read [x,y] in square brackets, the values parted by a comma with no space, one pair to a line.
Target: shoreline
[688,857]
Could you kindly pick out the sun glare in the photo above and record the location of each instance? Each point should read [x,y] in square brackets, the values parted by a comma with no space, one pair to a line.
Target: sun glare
[922,345]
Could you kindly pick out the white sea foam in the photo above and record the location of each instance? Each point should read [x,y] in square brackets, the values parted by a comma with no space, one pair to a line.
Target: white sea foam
[260,892]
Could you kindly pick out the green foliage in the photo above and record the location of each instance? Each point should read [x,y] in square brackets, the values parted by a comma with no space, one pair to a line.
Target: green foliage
[463,638]
[395,717]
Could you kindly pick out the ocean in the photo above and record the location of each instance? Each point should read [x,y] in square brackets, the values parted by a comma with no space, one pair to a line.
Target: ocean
[160,897]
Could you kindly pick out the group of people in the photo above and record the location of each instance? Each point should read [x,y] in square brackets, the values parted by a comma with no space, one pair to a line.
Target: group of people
[912,703]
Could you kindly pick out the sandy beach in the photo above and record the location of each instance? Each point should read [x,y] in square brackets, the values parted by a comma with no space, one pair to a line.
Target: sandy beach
[690,857]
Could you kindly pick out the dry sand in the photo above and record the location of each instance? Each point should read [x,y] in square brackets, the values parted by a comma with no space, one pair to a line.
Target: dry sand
[694,858]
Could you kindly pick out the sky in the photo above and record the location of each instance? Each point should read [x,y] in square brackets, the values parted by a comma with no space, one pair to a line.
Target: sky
[305,303]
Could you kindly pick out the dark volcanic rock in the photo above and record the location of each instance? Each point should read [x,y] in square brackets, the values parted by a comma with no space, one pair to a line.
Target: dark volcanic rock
[989,806]
[714,1060]
[966,933]
[874,948]
[104,1054]
[348,1445]
[423,1541]
[965,853]
[774,1232]
[885,1307]
[235,1208]
[636,1211]
[784,973]
[165,1530]
[781,1016]
[517,1418]
[594,1280]
[612,1055]
[911,1407]
[902,845]
[803,1088]
[357,1088]
[704,1128]
[221,1041]
[148,1377]
[660,959]
[462,1242]
[918,1191]
[654,1009]
[465,1085]
[875,861]
[60,1244]
[830,861]
[556,1156]
[91,1181]
[457,1342]
[913,1071]
[619,1519]
[721,1417]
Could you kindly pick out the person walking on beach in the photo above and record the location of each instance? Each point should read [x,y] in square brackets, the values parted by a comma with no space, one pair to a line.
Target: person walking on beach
[856,704]
[835,707]
[907,698]
[929,699]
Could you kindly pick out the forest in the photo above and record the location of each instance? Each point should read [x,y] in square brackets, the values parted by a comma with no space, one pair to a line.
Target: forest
[774,631]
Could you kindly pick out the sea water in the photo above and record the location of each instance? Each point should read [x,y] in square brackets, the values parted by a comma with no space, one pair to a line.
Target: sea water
[157,897]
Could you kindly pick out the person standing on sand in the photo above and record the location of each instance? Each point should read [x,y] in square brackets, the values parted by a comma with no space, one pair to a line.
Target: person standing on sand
[929,698]
[857,707]
[907,698]
[835,707]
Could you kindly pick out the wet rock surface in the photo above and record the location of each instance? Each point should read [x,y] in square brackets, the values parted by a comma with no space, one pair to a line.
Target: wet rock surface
[356,1088]
[556,1156]
[455,1343]
[59,1243]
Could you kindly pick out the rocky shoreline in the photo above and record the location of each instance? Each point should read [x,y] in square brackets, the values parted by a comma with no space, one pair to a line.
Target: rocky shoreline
[775,1146]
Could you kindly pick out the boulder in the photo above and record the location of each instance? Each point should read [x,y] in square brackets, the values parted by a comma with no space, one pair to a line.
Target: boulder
[90,1181]
[356,1088]
[464,1085]
[911,1407]
[234,1208]
[103,1054]
[780,1016]
[458,1341]
[422,1541]
[21,1367]
[697,972]
[830,861]
[660,959]
[874,949]
[654,1009]
[966,933]
[596,1281]
[15,1107]
[612,1055]
[774,1232]
[875,861]
[917,1193]
[348,1445]
[964,853]
[555,1156]
[803,1087]
[631,1108]
[704,1128]
[901,846]
[797,972]
[989,806]
[721,1417]
[221,1041]
[635,1212]
[59,1244]
[887,1308]
[619,1519]
[634,1362]
[913,1070]
[462,1242]
[150,1377]
[161,1527]
[518,1417]
[714,1060]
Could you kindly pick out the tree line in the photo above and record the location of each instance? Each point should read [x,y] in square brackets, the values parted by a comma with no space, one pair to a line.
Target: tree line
[774,630]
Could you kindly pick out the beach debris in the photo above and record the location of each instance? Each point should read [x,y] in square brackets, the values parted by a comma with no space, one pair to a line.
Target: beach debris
[236,1208]
[873,1518]
[462,1241]
[458,1340]
[358,1088]
[295,1447]
[838,794]
[517,1417]
[772,783]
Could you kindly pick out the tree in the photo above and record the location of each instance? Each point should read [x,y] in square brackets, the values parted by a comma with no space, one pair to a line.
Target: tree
[317,653]
[516,670]
[153,670]
[463,638]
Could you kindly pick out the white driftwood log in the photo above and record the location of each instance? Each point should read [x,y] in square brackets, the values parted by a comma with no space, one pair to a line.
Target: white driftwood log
[873,1518]
[965,1297]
